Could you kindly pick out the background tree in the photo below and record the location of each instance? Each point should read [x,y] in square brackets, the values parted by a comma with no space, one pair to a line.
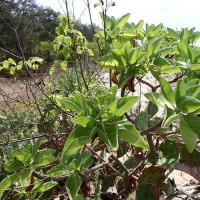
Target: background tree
[24,25]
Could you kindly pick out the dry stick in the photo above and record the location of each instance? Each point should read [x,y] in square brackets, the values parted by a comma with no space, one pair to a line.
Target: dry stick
[83,74]
[12,54]
[153,128]
[136,168]
[146,83]
[110,166]
[90,15]
[33,95]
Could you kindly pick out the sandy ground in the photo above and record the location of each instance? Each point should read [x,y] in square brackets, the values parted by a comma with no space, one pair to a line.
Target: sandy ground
[11,90]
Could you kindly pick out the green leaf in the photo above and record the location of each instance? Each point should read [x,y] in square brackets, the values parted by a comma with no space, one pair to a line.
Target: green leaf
[128,133]
[167,90]
[140,25]
[194,67]
[110,132]
[114,33]
[157,44]
[122,21]
[194,37]
[111,110]
[188,104]
[78,197]
[46,186]
[133,54]
[189,137]
[193,123]
[78,132]
[165,51]
[180,90]
[183,50]
[112,92]
[125,104]
[7,182]
[86,160]
[73,184]
[173,34]
[68,103]
[74,146]
[170,69]
[149,49]
[109,62]
[169,120]
[44,157]
[193,91]
[107,20]
[84,121]
[158,99]
[142,120]
[192,53]
[193,82]
[59,170]
[52,70]
[66,52]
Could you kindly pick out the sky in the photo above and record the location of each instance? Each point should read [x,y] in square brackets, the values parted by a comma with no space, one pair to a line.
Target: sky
[176,14]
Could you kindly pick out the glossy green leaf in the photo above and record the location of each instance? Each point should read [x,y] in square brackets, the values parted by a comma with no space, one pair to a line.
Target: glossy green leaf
[75,145]
[194,37]
[188,104]
[108,21]
[191,53]
[7,182]
[194,67]
[73,184]
[180,90]
[68,103]
[183,50]
[108,132]
[149,49]
[78,197]
[109,62]
[122,21]
[133,54]
[193,91]
[46,186]
[84,121]
[142,120]
[189,137]
[58,170]
[167,90]
[129,133]
[86,160]
[169,120]
[140,25]
[114,33]
[156,98]
[165,51]
[125,104]
[193,123]
[112,92]
[170,69]
[192,82]
[78,132]
[44,157]
[157,44]
[111,110]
